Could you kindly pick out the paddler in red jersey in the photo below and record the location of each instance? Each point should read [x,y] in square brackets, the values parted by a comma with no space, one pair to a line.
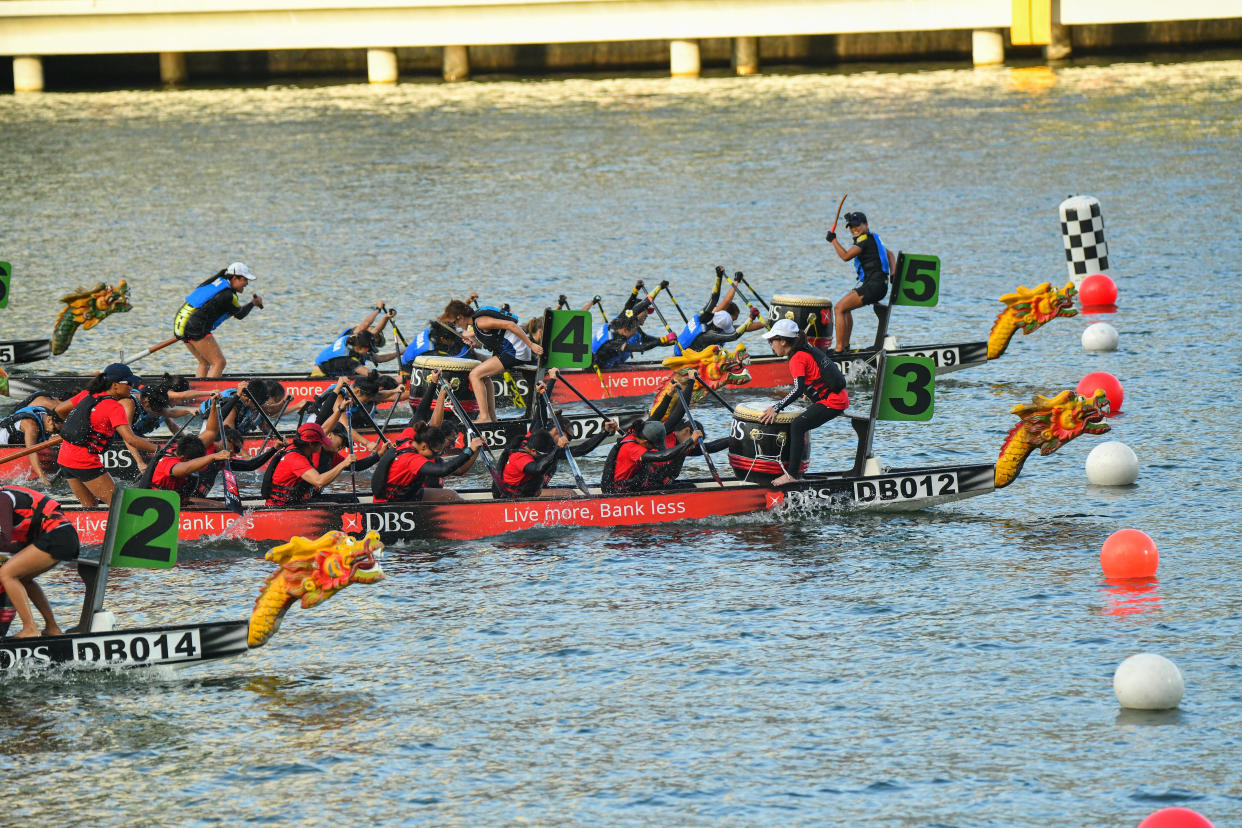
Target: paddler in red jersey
[37,532]
[641,460]
[91,418]
[817,378]
[295,478]
[415,470]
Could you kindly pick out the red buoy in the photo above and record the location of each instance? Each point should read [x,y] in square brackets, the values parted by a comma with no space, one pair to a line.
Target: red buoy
[1098,291]
[1111,385]
[1129,553]
[1175,818]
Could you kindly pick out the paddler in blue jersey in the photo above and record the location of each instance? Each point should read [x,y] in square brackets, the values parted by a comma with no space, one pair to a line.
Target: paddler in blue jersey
[354,347]
[437,339]
[212,302]
[623,337]
[874,264]
[714,325]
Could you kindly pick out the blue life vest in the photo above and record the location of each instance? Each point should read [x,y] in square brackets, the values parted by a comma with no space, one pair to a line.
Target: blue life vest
[144,423]
[197,299]
[29,412]
[420,345]
[881,252]
[601,336]
[338,348]
[687,336]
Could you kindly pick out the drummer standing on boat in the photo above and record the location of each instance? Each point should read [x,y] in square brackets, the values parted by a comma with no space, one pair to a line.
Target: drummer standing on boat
[817,378]
[874,264]
[211,303]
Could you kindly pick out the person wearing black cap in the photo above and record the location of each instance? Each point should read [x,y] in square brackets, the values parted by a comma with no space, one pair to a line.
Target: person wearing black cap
[34,529]
[212,302]
[91,418]
[638,461]
[874,264]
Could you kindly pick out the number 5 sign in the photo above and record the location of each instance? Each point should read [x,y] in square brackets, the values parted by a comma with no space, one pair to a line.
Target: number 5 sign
[567,339]
[918,280]
[142,529]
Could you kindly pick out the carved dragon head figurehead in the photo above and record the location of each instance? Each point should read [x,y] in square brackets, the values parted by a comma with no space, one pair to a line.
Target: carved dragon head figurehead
[717,367]
[1047,424]
[1029,309]
[86,308]
[313,571]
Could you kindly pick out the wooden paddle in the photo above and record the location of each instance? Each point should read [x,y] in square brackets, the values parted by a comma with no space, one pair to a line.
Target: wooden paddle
[838,215]
[573,462]
[55,441]
[151,350]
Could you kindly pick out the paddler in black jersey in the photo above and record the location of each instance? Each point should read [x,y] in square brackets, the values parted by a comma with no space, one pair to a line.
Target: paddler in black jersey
[497,330]
[354,347]
[817,378]
[874,264]
[37,533]
[212,302]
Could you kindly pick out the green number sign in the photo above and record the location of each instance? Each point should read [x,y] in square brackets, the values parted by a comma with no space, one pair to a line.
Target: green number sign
[908,391]
[142,529]
[918,280]
[567,340]
[6,272]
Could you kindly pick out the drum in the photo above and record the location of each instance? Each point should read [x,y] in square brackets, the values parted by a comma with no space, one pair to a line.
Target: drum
[759,452]
[454,370]
[812,313]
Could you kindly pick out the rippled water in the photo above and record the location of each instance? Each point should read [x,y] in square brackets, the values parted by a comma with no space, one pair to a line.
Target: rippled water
[947,667]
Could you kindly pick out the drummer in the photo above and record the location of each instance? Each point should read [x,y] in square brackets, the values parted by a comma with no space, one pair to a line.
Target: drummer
[874,264]
[817,378]
[498,331]
[35,530]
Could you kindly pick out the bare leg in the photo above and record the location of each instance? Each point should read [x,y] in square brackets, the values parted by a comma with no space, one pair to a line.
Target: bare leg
[83,494]
[434,495]
[844,321]
[482,387]
[203,365]
[18,569]
[102,488]
[40,603]
[209,350]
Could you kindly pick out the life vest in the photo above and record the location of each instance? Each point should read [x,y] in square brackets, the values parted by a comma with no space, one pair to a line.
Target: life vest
[688,334]
[143,422]
[598,339]
[338,348]
[880,251]
[421,345]
[280,495]
[77,428]
[33,514]
[491,339]
[608,482]
[830,381]
[10,428]
[197,299]
[386,492]
[163,477]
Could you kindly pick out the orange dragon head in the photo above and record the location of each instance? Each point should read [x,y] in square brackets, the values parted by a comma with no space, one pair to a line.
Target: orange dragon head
[1029,309]
[1047,424]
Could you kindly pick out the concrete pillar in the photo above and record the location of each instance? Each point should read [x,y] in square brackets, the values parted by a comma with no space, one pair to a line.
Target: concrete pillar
[382,65]
[684,58]
[987,47]
[746,55]
[27,74]
[1059,47]
[172,68]
[456,63]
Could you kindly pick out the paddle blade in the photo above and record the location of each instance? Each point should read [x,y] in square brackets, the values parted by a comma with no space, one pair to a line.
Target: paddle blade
[232,495]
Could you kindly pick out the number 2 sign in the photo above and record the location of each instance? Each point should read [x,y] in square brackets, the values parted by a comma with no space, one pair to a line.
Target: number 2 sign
[142,529]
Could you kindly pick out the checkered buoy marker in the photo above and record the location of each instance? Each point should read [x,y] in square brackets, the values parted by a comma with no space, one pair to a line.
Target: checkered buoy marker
[1082,231]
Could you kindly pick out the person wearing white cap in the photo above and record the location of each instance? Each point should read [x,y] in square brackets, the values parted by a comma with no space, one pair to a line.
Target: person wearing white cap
[815,377]
[714,324]
[212,302]
[873,263]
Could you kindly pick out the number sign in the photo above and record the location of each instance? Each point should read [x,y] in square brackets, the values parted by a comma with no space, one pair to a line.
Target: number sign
[908,389]
[142,529]
[918,280]
[6,272]
[567,340]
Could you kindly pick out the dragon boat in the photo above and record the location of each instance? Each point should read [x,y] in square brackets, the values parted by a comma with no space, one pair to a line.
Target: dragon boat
[310,571]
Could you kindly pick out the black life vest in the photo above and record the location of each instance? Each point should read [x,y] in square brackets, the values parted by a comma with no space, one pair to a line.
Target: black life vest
[608,478]
[491,339]
[387,492]
[33,514]
[78,429]
[830,381]
[280,495]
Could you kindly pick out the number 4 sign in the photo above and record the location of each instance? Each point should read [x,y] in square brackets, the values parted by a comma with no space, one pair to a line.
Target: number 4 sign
[567,339]
[6,272]
[142,529]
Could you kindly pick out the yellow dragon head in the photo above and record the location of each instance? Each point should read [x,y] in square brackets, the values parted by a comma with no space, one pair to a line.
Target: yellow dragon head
[86,308]
[1047,424]
[718,367]
[314,571]
[1029,309]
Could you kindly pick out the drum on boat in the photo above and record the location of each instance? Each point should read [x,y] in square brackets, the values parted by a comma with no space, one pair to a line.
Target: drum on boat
[759,452]
[812,313]
[454,370]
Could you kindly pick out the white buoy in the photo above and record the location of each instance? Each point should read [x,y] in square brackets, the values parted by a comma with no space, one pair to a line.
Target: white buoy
[1148,682]
[1100,336]
[1112,463]
[1082,233]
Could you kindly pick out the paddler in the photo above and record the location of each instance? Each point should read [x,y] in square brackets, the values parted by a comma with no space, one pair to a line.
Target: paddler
[624,338]
[180,472]
[91,418]
[354,347]
[817,378]
[32,422]
[210,304]
[714,325]
[874,264]
[638,461]
[295,478]
[34,529]
[414,471]
[498,331]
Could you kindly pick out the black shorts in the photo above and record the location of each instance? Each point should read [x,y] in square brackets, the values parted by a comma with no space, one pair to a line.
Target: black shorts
[61,543]
[85,475]
[508,360]
[340,366]
[872,290]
